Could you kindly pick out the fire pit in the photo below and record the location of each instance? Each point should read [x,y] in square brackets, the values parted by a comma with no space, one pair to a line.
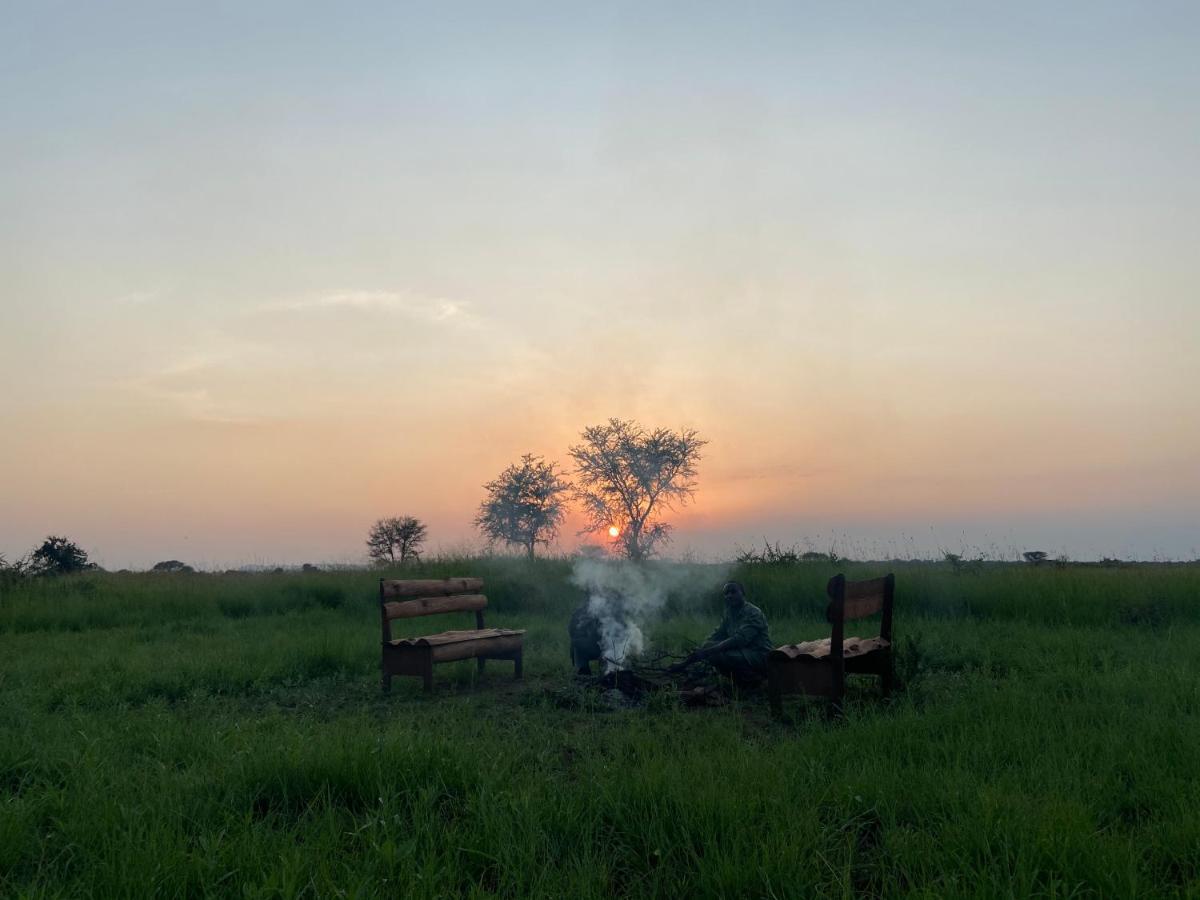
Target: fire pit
[633,684]
[606,627]
[629,683]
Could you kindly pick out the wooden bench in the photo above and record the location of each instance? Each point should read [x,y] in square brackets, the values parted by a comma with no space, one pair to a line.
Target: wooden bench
[820,667]
[416,656]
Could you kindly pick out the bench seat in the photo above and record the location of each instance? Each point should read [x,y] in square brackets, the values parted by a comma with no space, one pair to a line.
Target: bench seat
[853,646]
[451,645]
[454,637]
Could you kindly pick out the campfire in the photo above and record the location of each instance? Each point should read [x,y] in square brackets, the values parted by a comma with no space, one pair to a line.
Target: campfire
[629,683]
[633,683]
[606,628]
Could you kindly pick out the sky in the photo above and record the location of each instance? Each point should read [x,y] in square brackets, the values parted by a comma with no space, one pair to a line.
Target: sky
[924,274]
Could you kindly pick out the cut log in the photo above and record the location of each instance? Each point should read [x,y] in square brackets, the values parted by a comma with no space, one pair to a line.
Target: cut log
[500,645]
[429,606]
[454,637]
[429,587]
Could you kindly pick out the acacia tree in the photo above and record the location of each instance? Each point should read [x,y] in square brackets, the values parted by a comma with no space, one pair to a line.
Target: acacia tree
[58,556]
[396,540]
[525,505]
[627,478]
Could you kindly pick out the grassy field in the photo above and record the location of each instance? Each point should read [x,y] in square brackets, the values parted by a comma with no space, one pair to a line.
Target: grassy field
[225,735]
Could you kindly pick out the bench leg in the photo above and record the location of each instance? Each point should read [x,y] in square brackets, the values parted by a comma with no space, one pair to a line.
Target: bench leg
[385,682]
[517,669]
[837,690]
[836,696]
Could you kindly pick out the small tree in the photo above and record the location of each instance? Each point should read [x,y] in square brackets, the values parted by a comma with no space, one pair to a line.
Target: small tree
[58,556]
[628,477]
[1035,557]
[396,540]
[524,506]
[173,566]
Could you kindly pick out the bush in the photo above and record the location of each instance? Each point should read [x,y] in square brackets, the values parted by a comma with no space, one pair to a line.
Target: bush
[12,572]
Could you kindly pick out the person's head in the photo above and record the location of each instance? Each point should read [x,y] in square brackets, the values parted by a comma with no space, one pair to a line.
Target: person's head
[735,594]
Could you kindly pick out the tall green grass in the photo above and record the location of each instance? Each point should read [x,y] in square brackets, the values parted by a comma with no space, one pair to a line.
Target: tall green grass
[218,735]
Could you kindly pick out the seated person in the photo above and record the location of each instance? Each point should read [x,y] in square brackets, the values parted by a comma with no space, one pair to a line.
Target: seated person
[740,645]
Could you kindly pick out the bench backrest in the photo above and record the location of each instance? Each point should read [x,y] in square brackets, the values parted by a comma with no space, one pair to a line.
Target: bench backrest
[859,599]
[429,597]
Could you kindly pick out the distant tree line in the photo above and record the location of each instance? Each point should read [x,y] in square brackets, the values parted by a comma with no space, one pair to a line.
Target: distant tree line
[58,555]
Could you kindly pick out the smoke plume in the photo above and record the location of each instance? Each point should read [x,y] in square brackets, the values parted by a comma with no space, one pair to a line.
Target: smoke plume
[624,597]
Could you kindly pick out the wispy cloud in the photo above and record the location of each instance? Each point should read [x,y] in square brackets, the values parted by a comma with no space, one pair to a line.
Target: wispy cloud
[207,384]
[138,298]
[243,370]
[184,390]
[198,404]
[436,310]
[777,472]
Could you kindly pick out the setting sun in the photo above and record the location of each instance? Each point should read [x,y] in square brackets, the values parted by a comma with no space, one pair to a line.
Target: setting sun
[614,531]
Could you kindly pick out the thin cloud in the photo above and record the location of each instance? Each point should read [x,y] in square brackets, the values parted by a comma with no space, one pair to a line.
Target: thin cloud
[196,384]
[778,472]
[138,298]
[234,379]
[436,310]
[197,404]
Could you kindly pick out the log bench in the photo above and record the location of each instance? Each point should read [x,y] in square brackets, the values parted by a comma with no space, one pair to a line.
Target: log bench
[416,656]
[820,667]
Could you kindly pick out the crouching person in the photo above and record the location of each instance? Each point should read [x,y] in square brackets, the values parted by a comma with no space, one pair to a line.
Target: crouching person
[741,644]
[584,631]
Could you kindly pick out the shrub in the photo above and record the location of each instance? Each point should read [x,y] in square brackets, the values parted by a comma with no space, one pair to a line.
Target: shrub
[12,572]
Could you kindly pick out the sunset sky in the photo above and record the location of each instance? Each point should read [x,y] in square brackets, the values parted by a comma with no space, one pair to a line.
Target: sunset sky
[925,275]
